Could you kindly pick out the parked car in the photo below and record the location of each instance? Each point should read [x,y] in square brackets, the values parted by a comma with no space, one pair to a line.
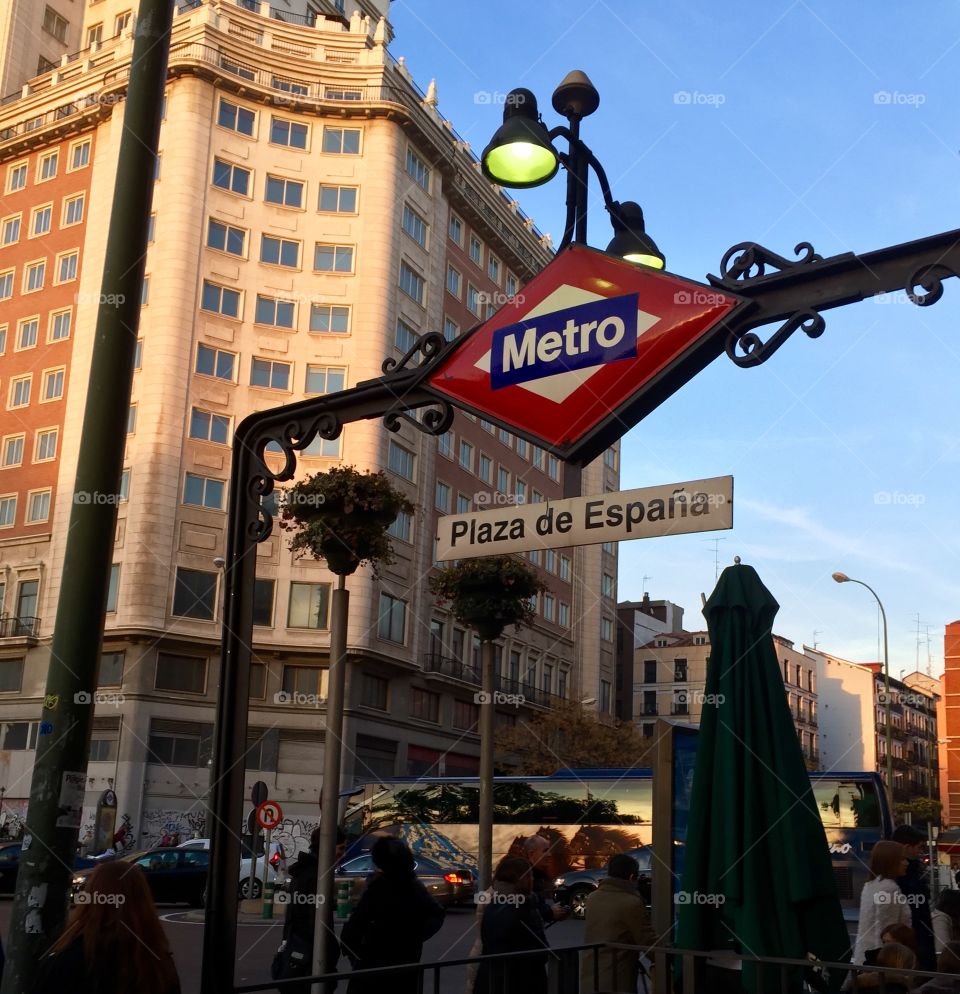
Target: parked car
[175,875]
[573,888]
[10,865]
[251,885]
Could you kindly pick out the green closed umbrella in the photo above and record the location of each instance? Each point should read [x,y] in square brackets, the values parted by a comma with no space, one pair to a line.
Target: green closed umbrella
[757,876]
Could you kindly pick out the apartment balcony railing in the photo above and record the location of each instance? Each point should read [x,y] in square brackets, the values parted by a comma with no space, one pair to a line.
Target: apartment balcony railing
[12,627]
[529,693]
[434,662]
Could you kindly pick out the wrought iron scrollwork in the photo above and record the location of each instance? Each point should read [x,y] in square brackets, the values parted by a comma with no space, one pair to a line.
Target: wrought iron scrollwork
[747,348]
[434,420]
[747,262]
[426,348]
[930,278]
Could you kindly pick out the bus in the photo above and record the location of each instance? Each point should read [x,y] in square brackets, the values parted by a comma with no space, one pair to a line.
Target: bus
[587,816]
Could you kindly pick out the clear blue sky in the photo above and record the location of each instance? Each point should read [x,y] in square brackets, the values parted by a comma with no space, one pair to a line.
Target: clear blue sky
[823,122]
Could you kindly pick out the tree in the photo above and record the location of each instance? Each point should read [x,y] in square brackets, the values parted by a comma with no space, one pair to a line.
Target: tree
[570,736]
[922,810]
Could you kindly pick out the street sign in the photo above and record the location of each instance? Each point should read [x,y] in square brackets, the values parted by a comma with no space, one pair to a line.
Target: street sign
[269,814]
[259,793]
[590,346]
[671,509]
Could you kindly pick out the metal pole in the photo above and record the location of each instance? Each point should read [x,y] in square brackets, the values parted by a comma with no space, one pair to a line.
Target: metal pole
[59,772]
[265,874]
[886,687]
[488,710]
[330,791]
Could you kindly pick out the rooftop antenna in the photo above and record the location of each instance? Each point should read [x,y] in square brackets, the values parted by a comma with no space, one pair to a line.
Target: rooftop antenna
[716,556]
[643,587]
[815,634]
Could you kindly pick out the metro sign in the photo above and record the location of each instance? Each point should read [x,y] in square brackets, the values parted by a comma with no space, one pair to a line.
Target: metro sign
[589,347]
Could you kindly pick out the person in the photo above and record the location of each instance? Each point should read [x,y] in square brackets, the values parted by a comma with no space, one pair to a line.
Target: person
[945,919]
[512,922]
[113,942]
[903,934]
[295,956]
[615,912]
[913,884]
[881,901]
[895,957]
[536,851]
[390,924]
[948,962]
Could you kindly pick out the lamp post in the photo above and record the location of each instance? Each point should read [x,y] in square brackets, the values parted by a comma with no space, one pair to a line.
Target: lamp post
[843,578]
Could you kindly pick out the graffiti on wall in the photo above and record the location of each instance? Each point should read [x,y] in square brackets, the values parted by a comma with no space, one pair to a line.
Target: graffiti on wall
[160,823]
[13,818]
[294,835]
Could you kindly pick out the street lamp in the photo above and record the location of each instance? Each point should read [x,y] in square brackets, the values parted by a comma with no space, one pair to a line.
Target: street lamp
[521,154]
[843,578]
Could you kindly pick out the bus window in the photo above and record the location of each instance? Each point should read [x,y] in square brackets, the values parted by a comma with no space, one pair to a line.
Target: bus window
[846,803]
[521,802]
[620,802]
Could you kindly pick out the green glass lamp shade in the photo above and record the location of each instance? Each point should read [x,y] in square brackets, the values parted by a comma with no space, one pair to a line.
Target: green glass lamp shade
[631,241]
[520,153]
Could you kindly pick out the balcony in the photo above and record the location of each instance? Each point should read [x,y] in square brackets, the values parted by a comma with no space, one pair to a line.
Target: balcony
[447,666]
[25,627]
[434,662]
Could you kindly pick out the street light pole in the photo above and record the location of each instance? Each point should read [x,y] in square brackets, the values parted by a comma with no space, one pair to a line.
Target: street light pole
[843,578]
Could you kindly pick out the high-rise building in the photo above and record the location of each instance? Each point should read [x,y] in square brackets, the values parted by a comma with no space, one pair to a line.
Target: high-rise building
[35,37]
[313,212]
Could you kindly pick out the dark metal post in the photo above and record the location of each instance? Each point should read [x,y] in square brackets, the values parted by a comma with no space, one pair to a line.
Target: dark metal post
[330,790]
[59,772]
[488,710]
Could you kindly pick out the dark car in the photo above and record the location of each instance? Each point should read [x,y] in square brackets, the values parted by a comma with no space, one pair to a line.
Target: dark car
[573,888]
[175,876]
[10,865]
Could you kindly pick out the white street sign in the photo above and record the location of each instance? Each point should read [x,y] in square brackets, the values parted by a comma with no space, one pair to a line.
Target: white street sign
[673,509]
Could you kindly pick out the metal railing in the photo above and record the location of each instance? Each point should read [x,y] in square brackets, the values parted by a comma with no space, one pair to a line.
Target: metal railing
[13,627]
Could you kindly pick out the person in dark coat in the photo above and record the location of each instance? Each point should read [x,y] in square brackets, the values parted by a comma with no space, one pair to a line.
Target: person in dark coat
[390,924]
[512,923]
[913,884]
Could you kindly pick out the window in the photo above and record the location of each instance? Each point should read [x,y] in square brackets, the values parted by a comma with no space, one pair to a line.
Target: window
[11,453]
[414,225]
[209,427]
[8,510]
[125,485]
[473,300]
[67,267]
[215,362]
[94,34]
[267,373]
[424,705]
[27,333]
[522,448]
[393,613]
[680,702]
[110,673]
[466,714]
[52,384]
[280,251]
[329,318]
[565,568]
[113,588]
[485,468]
[329,447]
[203,491]
[466,455]
[275,312]
[151,229]
[309,605]
[549,605]
[400,461]
[343,141]
[333,258]
[19,735]
[233,178]
[511,285]
[194,595]
[80,154]
[338,93]
[402,527]
[503,480]
[145,291]
[563,615]
[476,249]
[607,585]
[445,444]
[463,504]
[55,24]
[418,169]
[493,268]
[453,281]
[10,229]
[220,300]
[553,467]
[34,275]
[288,85]
[19,392]
[405,337]
[289,133]
[455,229]
[72,210]
[45,445]
[284,192]
[16,177]
[122,22]
[47,166]
[236,118]
[373,691]
[680,670]
[338,199]
[412,283]
[226,238]
[187,674]
[610,458]
[450,329]
[263,603]
[442,497]
[131,419]
[45,65]
[606,629]
[325,379]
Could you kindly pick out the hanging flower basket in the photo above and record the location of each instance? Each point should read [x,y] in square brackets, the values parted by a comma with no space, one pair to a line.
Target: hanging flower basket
[489,593]
[342,516]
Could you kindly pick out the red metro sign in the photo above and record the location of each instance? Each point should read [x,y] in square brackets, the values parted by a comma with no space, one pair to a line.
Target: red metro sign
[589,347]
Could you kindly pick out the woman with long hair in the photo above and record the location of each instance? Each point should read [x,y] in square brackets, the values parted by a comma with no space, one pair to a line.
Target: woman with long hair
[882,903]
[946,919]
[113,942]
[892,956]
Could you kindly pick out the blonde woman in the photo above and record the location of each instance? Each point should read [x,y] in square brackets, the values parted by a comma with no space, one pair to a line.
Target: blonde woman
[882,903]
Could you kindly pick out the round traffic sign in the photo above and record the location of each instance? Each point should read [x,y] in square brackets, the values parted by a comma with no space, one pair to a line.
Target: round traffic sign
[269,814]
